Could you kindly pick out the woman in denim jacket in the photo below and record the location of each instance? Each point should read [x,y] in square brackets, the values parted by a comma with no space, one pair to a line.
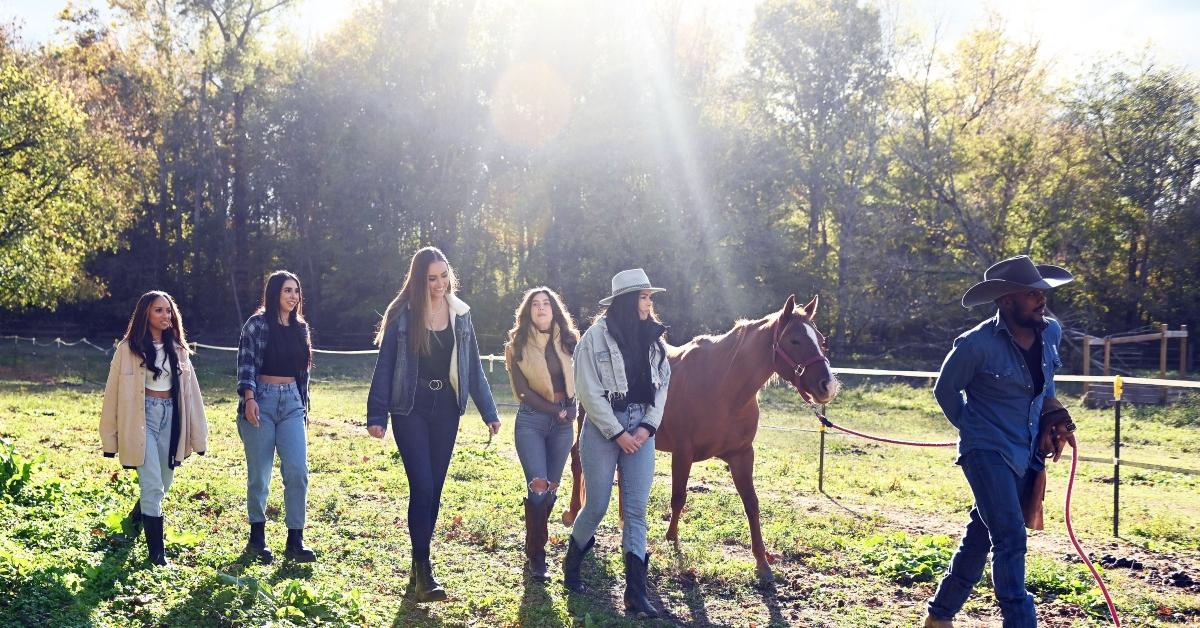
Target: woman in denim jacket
[428,364]
[538,359]
[621,377]
[274,358]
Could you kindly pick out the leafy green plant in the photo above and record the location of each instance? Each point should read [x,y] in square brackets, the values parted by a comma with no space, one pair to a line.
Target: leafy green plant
[905,560]
[15,470]
[16,478]
[300,602]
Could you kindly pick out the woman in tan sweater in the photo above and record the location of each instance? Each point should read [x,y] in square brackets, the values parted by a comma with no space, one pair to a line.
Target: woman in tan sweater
[538,359]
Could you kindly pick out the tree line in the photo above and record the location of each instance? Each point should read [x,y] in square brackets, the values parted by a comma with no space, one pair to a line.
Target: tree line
[189,146]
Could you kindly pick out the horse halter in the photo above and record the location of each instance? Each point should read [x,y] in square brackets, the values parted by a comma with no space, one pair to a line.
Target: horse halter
[797,368]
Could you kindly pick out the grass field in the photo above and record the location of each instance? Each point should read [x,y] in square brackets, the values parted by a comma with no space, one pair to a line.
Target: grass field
[866,553]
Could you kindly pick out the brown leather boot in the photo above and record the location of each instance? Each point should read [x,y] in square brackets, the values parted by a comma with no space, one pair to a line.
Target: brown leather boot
[934,622]
[536,535]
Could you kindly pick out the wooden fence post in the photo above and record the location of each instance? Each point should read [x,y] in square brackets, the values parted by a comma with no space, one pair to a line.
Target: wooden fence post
[1107,353]
[1087,362]
[1183,352]
[1162,362]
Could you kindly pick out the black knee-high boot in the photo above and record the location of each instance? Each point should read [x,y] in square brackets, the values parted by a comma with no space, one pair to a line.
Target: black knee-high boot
[153,526]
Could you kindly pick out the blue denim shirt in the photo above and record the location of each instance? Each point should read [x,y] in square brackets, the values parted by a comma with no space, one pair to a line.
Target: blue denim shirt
[985,389]
[394,382]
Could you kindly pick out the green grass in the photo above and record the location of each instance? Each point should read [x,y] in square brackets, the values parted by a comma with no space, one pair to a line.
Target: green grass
[867,554]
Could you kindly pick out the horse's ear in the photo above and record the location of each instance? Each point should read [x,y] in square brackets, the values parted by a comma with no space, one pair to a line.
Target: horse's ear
[788,307]
[810,310]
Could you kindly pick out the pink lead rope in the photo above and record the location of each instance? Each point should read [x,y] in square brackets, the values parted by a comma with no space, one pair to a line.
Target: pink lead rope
[1112,608]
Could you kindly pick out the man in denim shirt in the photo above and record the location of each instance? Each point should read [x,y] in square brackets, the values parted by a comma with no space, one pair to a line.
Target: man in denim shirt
[997,387]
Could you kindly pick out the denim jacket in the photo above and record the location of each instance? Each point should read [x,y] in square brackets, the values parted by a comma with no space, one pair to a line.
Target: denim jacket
[985,389]
[600,374]
[252,346]
[394,383]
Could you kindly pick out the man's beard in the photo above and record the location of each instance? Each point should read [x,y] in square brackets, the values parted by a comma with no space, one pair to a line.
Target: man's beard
[1028,320]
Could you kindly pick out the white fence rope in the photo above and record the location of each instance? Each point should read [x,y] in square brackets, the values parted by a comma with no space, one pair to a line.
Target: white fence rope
[492,359]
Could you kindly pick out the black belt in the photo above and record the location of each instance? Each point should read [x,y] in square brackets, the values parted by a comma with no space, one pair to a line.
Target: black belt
[431,384]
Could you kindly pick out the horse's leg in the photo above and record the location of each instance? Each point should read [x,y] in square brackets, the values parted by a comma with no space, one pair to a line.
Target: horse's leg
[741,465]
[578,492]
[681,468]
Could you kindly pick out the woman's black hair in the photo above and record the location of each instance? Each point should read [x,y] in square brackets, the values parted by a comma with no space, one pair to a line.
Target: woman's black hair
[141,342]
[634,335]
[269,307]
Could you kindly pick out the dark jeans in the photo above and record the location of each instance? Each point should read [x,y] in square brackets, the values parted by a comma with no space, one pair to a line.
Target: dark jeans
[996,525]
[425,438]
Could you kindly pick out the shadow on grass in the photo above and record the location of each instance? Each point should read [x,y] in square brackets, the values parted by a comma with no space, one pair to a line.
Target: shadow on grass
[537,607]
[835,502]
[413,613]
[57,595]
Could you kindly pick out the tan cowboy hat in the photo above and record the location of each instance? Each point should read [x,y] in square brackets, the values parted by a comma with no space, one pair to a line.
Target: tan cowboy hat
[1014,274]
[632,280]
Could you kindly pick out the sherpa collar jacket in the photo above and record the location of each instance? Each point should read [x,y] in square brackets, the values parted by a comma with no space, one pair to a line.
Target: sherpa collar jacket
[123,417]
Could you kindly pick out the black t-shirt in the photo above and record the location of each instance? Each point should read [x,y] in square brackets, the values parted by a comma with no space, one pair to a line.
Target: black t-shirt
[1033,360]
[436,364]
[286,354]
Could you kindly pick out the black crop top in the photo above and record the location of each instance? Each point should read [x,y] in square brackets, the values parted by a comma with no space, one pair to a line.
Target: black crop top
[286,354]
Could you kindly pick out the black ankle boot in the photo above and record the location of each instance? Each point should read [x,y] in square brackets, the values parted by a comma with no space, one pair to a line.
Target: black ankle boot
[256,547]
[637,602]
[424,587]
[156,553]
[571,578]
[295,549]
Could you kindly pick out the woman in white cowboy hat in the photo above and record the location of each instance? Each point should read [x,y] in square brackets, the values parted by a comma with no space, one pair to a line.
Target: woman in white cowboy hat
[621,377]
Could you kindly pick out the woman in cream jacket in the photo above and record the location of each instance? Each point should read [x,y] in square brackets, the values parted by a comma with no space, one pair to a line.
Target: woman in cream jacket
[153,415]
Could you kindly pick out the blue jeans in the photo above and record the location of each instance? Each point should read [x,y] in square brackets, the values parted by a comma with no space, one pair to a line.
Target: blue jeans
[996,525]
[425,438]
[543,443]
[155,475]
[280,428]
[601,458]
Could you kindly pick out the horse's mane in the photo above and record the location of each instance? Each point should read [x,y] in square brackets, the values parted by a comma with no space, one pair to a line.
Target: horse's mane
[717,341]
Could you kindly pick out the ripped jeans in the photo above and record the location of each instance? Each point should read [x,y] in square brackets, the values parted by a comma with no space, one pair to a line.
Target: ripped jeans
[542,445]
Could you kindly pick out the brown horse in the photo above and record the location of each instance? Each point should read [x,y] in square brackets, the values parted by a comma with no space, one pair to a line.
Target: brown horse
[712,405]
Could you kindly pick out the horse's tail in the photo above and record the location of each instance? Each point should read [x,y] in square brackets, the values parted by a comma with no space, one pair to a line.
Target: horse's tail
[578,494]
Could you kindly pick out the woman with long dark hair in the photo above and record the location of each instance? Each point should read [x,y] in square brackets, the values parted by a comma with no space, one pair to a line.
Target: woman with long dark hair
[621,377]
[274,358]
[538,359]
[153,415]
[428,365]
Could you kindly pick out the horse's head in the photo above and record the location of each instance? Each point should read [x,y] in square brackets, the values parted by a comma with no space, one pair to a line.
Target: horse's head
[799,352]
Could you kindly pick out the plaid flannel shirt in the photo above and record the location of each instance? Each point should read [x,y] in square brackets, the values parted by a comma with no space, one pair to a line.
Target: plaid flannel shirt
[252,346]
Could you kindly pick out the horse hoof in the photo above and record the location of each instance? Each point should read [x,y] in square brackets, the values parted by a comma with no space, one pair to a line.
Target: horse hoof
[766,577]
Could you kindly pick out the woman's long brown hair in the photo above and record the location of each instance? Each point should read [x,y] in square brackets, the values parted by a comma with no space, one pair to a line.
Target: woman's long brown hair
[523,322]
[414,295]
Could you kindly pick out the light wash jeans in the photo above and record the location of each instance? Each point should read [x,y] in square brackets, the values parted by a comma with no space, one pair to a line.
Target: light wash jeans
[155,475]
[601,458]
[998,525]
[280,428]
[543,443]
